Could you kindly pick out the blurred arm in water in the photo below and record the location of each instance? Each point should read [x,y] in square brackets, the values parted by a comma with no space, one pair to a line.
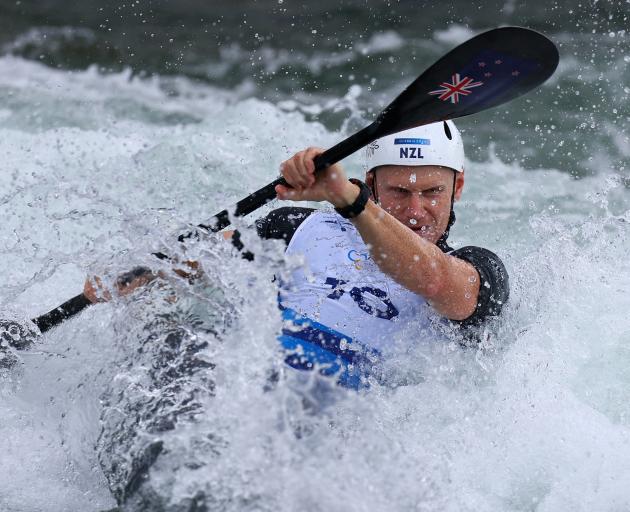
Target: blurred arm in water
[96,291]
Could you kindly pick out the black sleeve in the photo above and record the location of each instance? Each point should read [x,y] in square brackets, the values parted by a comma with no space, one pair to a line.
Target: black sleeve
[281,224]
[494,286]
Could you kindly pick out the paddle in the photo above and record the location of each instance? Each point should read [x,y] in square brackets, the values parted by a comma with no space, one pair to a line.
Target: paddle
[485,71]
[455,86]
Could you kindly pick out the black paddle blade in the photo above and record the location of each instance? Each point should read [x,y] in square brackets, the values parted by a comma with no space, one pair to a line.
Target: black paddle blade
[485,71]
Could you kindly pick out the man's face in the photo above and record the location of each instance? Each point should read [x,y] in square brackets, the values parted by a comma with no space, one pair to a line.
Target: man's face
[418,196]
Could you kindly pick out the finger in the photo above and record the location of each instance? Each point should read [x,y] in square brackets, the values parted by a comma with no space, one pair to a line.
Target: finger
[290,174]
[307,168]
[89,291]
[288,194]
[283,192]
[293,167]
[95,291]
[311,153]
[300,171]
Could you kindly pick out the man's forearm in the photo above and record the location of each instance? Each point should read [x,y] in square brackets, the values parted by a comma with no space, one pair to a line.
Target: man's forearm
[449,284]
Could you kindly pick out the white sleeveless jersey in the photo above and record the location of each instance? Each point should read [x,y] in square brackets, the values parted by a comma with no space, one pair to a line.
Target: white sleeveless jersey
[342,292]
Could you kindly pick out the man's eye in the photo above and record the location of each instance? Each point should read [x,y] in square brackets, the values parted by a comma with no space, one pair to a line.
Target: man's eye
[434,191]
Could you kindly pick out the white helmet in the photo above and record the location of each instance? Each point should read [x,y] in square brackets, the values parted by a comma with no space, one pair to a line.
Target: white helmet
[432,144]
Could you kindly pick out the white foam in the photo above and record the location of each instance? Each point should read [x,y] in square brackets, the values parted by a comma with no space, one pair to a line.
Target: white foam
[454,34]
[381,42]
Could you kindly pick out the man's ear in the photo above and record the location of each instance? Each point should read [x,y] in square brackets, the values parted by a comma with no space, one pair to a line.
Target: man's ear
[459,185]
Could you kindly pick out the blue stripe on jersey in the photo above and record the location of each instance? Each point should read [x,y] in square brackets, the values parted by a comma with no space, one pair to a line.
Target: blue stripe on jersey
[313,344]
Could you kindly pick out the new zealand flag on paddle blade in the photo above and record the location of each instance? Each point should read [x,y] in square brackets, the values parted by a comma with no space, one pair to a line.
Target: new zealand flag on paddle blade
[487,74]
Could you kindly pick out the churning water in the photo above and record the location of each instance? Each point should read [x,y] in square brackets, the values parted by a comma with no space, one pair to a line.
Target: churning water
[185,403]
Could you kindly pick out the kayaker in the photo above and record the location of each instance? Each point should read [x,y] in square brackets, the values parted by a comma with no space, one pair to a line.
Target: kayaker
[377,268]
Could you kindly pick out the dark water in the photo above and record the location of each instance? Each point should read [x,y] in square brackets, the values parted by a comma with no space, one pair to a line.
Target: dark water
[314,51]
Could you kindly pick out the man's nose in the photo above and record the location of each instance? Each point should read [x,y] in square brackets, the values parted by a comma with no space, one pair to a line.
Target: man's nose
[417,203]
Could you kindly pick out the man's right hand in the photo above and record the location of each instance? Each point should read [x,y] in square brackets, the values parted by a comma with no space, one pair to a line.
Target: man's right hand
[330,184]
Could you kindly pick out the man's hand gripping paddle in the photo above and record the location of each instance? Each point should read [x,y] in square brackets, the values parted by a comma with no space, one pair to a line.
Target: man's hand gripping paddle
[485,71]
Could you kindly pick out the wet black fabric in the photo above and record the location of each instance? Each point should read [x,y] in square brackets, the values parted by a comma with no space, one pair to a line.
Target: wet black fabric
[281,224]
[494,287]
[494,284]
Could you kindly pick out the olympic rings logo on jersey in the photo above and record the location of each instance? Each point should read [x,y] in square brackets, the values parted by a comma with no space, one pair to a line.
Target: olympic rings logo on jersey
[357,257]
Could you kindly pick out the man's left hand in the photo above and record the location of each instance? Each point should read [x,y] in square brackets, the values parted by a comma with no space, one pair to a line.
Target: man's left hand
[126,283]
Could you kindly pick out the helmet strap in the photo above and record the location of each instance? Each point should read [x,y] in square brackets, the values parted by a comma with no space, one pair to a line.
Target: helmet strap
[441,243]
[374,189]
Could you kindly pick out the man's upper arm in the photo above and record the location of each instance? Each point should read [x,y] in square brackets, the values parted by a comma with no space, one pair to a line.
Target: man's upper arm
[494,286]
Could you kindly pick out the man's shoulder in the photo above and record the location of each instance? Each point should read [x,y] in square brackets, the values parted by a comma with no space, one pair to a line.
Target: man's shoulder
[494,285]
[473,253]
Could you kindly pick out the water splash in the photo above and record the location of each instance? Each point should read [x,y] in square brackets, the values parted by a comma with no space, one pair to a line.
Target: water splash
[208,411]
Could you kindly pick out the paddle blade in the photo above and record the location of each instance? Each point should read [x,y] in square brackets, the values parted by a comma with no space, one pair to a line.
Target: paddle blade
[487,70]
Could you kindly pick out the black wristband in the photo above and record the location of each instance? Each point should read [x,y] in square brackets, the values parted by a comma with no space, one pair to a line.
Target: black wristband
[354,209]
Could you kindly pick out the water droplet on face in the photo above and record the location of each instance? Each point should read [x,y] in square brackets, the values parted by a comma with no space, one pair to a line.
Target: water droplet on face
[467,295]
[472,279]
[416,257]
[433,203]
[413,222]
[412,177]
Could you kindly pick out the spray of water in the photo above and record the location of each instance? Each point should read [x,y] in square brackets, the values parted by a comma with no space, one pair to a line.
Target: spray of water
[177,397]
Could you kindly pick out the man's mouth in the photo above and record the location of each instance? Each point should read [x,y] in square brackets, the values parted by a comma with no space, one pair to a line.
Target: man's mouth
[421,230]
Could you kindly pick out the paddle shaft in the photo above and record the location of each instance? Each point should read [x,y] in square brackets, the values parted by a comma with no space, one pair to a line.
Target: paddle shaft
[267,193]
[60,313]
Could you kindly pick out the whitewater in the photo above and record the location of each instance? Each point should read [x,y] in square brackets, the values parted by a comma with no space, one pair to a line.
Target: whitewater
[100,169]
